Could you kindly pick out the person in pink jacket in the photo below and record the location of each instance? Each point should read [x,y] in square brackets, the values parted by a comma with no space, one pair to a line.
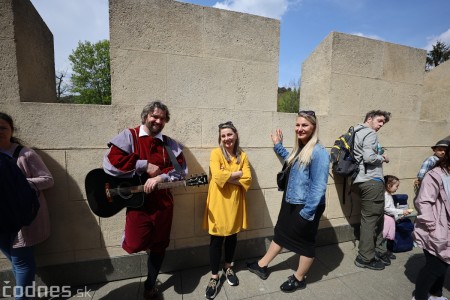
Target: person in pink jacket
[431,231]
[18,248]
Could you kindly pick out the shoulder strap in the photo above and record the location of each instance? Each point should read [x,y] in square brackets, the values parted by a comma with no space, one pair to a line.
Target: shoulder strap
[17,151]
[173,159]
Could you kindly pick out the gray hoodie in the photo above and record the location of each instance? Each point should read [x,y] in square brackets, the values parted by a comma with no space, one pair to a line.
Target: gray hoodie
[366,146]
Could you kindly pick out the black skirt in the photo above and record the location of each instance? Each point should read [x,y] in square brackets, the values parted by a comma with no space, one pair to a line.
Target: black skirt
[295,233]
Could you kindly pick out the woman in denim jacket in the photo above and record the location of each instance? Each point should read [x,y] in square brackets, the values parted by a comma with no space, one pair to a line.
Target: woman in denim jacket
[303,200]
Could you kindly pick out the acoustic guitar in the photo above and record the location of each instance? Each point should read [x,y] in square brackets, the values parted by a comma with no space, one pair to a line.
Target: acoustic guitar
[107,195]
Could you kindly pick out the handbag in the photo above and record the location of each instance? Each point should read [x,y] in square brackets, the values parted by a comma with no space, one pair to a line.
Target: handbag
[282,177]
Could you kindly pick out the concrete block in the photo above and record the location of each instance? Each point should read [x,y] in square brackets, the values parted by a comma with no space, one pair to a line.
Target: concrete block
[158,26]
[9,83]
[7,20]
[79,163]
[335,206]
[183,224]
[403,64]
[198,162]
[48,259]
[316,80]
[200,205]
[112,230]
[36,69]
[272,203]
[434,106]
[285,122]
[437,79]
[256,209]
[357,56]
[264,165]
[247,135]
[143,76]
[204,82]
[256,38]
[73,227]
[86,126]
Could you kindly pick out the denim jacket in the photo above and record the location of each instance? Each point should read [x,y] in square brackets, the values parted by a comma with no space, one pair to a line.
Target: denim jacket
[307,185]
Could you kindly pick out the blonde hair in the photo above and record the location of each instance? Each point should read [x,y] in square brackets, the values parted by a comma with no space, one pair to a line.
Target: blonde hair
[303,153]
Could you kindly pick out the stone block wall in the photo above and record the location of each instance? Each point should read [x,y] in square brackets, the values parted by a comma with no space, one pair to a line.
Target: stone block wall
[209,66]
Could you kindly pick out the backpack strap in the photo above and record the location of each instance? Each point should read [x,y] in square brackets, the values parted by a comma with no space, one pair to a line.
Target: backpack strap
[17,151]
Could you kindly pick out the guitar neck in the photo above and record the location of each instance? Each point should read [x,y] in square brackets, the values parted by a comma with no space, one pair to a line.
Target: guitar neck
[125,191]
[173,184]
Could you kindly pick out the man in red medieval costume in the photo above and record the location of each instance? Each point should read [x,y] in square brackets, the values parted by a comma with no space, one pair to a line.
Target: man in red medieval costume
[144,151]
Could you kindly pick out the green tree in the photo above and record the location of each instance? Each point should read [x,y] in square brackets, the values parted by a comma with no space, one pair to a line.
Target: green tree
[288,98]
[439,54]
[91,77]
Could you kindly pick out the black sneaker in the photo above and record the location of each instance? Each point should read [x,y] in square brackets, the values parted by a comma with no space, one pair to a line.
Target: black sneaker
[256,269]
[384,258]
[211,289]
[231,277]
[391,255]
[292,284]
[151,293]
[373,264]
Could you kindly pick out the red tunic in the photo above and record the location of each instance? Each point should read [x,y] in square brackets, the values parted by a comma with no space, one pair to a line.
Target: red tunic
[147,227]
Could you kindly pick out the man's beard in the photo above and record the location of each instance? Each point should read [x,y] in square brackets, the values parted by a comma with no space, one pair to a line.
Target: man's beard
[154,129]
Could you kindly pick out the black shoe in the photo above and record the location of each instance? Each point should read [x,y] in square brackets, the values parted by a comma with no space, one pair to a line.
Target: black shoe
[231,277]
[292,284]
[384,258]
[211,289]
[256,269]
[391,255]
[151,293]
[373,264]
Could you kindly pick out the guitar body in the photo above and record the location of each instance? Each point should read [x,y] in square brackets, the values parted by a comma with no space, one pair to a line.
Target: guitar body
[104,204]
[107,195]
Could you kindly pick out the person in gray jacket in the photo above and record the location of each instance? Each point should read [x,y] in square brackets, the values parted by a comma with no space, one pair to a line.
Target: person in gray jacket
[369,185]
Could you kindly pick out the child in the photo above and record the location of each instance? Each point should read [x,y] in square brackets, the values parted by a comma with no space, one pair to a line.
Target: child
[430,162]
[391,213]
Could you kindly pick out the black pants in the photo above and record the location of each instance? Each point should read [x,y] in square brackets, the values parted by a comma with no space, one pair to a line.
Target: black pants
[215,250]
[431,277]
[154,262]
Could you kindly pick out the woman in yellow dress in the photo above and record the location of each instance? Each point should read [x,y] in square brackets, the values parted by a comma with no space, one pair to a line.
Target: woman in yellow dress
[225,212]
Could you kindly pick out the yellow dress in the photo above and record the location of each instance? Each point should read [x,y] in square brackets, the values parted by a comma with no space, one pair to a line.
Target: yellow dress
[226,211]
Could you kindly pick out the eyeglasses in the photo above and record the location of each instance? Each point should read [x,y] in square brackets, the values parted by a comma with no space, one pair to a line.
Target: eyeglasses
[226,124]
[307,112]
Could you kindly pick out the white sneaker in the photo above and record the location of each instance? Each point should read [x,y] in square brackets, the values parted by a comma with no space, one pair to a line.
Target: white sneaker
[437,298]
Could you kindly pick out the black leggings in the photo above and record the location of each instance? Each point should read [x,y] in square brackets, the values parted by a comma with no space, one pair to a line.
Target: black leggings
[431,277]
[215,250]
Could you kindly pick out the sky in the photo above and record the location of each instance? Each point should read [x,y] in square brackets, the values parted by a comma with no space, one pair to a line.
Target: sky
[303,24]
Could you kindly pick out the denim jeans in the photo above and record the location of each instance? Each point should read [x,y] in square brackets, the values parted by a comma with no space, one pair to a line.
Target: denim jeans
[372,219]
[23,264]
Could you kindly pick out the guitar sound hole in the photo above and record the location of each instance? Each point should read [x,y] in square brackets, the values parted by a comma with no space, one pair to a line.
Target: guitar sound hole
[124,190]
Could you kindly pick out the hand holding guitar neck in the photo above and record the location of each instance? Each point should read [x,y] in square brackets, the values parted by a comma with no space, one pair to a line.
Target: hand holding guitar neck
[152,184]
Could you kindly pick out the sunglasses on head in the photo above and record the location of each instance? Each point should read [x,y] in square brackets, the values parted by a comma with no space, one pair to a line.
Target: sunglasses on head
[307,112]
[226,124]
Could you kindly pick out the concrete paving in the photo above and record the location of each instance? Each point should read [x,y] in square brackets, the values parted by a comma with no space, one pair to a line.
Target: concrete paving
[332,276]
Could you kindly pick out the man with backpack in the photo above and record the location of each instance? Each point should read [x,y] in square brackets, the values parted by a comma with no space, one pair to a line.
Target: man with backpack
[369,185]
